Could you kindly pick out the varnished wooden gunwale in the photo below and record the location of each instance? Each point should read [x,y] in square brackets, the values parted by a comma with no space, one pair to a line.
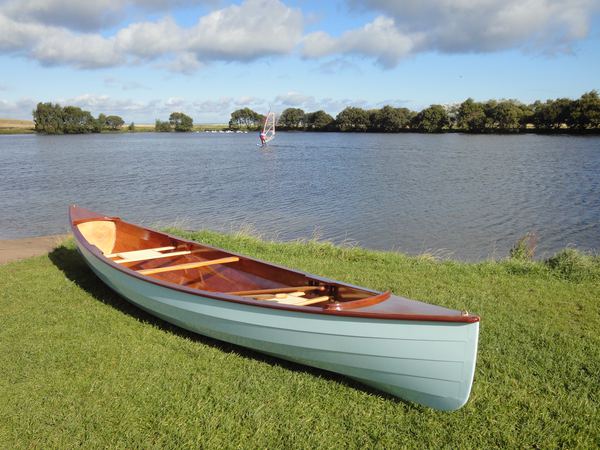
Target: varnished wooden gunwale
[80,215]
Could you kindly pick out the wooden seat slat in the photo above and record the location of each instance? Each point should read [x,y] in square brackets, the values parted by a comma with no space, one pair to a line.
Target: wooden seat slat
[193,265]
[124,254]
[149,256]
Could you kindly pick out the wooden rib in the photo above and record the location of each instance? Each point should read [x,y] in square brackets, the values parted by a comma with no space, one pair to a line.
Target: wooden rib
[157,249]
[277,290]
[193,265]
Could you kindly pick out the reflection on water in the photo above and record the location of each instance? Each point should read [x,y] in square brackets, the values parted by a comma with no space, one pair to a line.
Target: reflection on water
[463,196]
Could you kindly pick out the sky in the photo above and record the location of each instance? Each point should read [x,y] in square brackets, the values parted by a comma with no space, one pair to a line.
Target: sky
[143,59]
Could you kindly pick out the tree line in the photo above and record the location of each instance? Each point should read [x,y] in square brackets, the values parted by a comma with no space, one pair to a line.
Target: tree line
[52,118]
[492,116]
[55,119]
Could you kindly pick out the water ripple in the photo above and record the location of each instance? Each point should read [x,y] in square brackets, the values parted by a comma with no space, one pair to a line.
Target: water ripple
[467,196]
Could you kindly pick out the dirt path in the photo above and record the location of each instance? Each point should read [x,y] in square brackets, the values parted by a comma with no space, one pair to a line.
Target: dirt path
[15,249]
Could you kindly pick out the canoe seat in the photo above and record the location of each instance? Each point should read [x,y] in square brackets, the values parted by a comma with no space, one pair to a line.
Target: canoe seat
[138,252]
[193,265]
[273,291]
[296,300]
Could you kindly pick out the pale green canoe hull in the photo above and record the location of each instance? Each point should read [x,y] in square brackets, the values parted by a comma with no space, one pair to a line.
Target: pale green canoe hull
[431,363]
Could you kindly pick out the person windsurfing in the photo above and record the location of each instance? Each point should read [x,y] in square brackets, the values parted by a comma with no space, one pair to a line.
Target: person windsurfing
[263,138]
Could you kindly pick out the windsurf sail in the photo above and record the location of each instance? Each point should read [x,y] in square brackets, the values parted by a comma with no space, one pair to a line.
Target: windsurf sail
[269,127]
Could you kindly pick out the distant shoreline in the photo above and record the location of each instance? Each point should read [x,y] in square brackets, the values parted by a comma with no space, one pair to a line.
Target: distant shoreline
[15,126]
[19,126]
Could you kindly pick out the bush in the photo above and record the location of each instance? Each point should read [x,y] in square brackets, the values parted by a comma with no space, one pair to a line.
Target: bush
[524,248]
[574,265]
[162,126]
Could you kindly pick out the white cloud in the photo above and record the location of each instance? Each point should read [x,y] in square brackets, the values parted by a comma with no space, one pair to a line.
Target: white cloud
[17,109]
[457,26]
[149,40]
[185,62]
[252,30]
[81,15]
[489,25]
[58,47]
[379,38]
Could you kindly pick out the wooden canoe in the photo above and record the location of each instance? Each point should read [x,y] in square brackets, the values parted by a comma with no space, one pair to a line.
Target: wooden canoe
[413,350]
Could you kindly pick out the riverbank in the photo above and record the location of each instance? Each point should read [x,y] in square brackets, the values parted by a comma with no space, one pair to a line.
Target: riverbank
[81,366]
[17,249]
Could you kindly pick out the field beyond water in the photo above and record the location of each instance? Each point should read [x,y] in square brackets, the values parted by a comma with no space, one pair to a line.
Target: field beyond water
[16,126]
[79,366]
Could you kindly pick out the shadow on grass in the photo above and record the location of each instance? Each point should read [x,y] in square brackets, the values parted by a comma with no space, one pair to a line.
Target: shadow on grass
[71,263]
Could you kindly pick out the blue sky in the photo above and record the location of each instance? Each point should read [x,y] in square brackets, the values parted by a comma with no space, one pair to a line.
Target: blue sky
[143,59]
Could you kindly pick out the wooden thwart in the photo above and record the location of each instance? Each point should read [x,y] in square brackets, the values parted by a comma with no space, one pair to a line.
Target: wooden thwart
[313,300]
[299,301]
[193,265]
[147,257]
[275,296]
[292,299]
[127,254]
[278,290]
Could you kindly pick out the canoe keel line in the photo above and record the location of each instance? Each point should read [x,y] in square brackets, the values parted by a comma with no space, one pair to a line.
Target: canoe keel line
[416,351]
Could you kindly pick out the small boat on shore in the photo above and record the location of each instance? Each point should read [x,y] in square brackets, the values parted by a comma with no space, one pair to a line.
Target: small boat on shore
[413,350]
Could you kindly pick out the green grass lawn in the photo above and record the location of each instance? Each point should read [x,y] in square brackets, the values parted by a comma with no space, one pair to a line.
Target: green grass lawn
[81,366]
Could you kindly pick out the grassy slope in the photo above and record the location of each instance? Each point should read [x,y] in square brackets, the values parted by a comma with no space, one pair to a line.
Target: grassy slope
[79,365]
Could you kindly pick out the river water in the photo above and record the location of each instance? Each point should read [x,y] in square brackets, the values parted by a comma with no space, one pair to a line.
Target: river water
[459,196]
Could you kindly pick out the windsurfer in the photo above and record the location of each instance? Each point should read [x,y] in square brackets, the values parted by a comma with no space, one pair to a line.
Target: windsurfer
[263,138]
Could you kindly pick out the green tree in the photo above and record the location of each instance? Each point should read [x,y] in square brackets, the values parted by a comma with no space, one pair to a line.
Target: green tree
[353,119]
[76,120]
[162,127]
[552,114]
[48,118]
[181,122]
[526,115]
[471,116]
[131,127]
[585,112]
[390,120]
[292,119]
[431,120]
[100,123]
[506,115]
[319,121]
[114,122]
[246,118]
